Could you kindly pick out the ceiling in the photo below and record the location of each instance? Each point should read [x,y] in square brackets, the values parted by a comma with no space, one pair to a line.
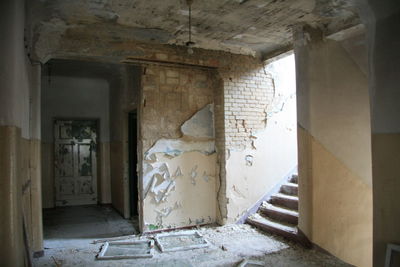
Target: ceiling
[252,27]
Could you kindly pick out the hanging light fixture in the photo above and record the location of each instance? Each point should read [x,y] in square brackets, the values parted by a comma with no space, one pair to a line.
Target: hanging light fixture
[189,43]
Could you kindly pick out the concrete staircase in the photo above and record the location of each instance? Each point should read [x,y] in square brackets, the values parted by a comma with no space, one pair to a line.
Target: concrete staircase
[279,215]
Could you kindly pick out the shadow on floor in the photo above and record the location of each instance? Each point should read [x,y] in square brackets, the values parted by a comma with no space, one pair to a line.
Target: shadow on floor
[91,221]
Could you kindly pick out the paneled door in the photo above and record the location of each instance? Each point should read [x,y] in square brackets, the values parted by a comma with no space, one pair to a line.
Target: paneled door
[75,168]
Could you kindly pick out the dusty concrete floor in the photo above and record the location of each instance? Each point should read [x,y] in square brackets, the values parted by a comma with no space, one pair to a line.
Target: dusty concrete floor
[70,231]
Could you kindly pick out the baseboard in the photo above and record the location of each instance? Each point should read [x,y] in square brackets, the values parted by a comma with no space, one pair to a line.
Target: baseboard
[274,190]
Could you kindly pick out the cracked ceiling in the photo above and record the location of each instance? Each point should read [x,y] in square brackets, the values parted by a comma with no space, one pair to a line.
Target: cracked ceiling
[251,27]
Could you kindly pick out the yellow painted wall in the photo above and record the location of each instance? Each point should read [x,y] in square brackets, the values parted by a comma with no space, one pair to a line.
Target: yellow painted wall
[334,140]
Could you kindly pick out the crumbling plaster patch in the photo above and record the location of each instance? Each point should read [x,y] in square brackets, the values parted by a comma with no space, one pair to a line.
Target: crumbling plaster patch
[260,142]
[247,27]
[201,124]
[187,203]
[172,183]
[175,147]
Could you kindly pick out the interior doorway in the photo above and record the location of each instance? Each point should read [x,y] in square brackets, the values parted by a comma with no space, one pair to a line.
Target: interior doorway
[132,155]
[75,162]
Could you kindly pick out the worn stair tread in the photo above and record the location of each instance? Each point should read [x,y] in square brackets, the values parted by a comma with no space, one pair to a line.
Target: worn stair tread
[283,200]
[294,179]
[291,184]
[259,220]
[269,206]
[289,189]
[285,196]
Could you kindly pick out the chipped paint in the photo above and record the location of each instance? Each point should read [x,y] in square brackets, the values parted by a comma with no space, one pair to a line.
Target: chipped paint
[171,181]
[272,152]
[241,27]
[200,124]
[177,207]
[178,172]
[175,147]
[193,175]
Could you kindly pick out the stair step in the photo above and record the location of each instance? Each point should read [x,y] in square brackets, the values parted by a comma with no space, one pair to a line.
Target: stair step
[294,179]
[287,201]
[273,227]
[289,189]
[279,214]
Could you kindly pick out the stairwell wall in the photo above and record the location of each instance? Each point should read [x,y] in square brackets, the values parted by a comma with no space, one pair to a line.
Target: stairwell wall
[335,170]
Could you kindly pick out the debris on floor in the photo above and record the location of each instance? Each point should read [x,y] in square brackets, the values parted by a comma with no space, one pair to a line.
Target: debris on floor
[68,239]
[56,262]
[126,250]
[250,263]
[187,240]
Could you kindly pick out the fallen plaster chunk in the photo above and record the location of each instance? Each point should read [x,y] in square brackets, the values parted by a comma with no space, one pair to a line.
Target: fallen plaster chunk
[175,147]
[201,124]
[188,240]
[126,250]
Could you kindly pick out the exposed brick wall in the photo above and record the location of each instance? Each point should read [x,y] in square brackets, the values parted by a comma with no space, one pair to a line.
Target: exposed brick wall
[240,90]
[247,93]
[170,97]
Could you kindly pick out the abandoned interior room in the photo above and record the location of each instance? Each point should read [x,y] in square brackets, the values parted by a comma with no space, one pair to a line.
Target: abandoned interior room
[200,133]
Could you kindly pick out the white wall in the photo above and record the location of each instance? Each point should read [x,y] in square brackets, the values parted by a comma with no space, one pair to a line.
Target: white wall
[273,154]
[15,70]
[281,131]
[73,97]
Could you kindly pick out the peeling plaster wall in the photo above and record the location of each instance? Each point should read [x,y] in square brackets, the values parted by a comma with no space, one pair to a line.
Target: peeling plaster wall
[335,169]
[179,170]
[246,27]
[74,98]
[260,140]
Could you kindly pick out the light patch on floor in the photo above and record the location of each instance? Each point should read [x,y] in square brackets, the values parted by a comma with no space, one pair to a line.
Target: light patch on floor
[69,242]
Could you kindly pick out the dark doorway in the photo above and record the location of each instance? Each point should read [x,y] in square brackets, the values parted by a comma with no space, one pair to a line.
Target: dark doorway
[133,179]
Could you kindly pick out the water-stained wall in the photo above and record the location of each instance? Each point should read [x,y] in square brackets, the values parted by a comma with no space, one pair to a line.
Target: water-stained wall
[179,163]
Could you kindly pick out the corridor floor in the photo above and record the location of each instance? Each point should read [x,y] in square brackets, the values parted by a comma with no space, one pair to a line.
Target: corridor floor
[69,232]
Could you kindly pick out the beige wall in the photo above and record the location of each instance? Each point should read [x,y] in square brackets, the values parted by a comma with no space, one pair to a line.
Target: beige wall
[12,247]
[334,149]
[178,172]
[19,141]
